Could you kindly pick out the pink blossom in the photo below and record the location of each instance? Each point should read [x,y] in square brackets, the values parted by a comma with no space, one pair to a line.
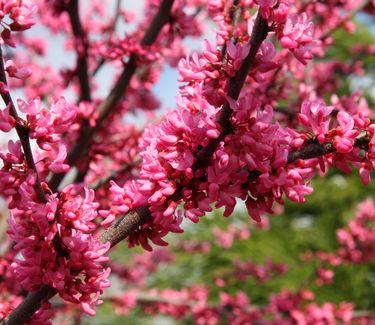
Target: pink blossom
[21,13]
[316,116]
[6,120]
[237,53]
[345,134]
[17,72]
[266,6]
[297,36]
[325,276]
[57,165]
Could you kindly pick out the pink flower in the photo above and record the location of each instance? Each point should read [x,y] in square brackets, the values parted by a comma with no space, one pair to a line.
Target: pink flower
[13,71]
[297,36]
[316,117]
[345,133]
[57,165]
[325,276]
[6,120]
[266,6]
[237,52]
[21,14]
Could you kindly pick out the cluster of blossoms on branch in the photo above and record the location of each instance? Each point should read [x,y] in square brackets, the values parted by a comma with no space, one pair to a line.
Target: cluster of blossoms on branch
[257,160]
[221,143]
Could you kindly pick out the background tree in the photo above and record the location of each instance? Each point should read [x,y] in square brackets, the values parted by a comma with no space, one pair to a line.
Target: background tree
[269,102]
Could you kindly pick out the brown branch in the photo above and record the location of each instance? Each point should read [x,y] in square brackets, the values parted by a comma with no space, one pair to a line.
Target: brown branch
[126,224]
[29,306]
[22,132]
[161,18]
[236,83]
[312,150]
[82,50]
[111,32]
[315,149]
[109,104]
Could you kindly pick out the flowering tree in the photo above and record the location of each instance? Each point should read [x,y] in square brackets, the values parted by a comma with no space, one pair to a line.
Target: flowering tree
[258,115]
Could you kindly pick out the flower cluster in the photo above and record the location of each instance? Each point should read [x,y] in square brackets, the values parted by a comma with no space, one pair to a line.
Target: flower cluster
[297,36]
[72,266]
[250,163]
[21,14]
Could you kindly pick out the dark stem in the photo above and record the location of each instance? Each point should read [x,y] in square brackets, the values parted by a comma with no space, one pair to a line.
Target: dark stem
[123,227]
[29,306]
[236,83]
[315,149]
[82,50]
[115,174]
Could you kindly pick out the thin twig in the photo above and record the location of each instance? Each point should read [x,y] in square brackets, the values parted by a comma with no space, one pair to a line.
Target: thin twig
[82,50]
[117,173]
[111,32]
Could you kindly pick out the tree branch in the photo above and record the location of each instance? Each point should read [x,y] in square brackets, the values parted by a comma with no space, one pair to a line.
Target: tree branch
[123,227]
[22,132]
[29,306]
[82,50]
[117,173]
[109,104]
[236,83]
[315,149]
